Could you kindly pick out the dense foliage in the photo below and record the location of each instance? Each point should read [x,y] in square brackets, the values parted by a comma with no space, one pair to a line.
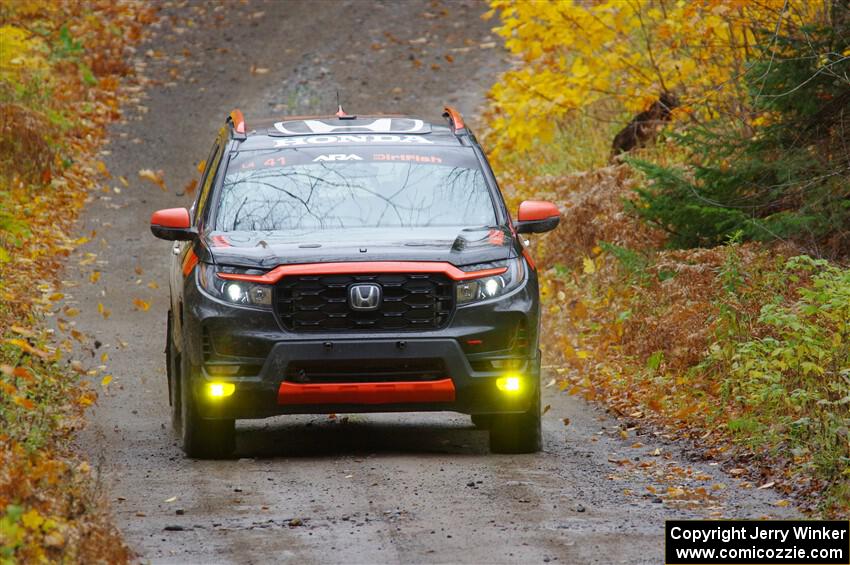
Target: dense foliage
[742,347]
[60,69]
[784,174]
[579,57]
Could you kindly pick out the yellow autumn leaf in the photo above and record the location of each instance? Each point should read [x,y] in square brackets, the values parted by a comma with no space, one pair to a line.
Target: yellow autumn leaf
[23,402]
[101,168]
[104,382]
[141,304]
[588,266]
[32,520]
[26,347]
[88,259]
[86,400]
[94,276]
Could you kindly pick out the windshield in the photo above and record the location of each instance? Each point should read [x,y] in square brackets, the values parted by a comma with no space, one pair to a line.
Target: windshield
[344,188]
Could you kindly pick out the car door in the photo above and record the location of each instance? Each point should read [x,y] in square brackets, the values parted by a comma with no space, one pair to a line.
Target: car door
[183,251]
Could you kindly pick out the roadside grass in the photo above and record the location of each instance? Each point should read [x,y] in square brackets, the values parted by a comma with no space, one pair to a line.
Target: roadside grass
[742,348]
[60,71]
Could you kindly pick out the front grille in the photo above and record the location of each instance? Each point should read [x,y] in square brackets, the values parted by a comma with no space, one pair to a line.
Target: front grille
[319,303]
[206,344]
[376,370]
[520,343]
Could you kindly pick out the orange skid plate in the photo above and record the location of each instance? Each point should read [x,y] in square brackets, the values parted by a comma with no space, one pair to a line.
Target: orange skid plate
[366,393]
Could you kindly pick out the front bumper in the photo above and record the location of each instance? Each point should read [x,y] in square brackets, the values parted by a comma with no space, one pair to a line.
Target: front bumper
[260,396]
[218,335]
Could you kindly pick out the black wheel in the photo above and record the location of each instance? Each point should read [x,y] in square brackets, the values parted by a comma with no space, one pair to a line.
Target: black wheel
[203,438]
[517,433]
[482,421]
[172,366]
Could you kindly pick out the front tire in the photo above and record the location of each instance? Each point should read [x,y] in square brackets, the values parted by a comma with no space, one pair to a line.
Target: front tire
[517,433]
[203,438]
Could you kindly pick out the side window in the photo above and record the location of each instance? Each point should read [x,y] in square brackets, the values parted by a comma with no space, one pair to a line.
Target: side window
[207,180]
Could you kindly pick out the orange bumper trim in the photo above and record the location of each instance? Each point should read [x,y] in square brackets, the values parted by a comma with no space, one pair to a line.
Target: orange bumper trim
[367,393]
[363,267]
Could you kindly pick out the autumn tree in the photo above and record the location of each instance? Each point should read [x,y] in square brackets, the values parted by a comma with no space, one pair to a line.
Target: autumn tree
[757,92]
[627,55]
[790,177]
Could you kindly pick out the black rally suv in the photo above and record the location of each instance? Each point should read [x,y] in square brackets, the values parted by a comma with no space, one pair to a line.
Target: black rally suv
[351,264]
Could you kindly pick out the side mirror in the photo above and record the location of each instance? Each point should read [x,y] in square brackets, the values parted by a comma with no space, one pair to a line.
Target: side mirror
[537,216]
[173,224]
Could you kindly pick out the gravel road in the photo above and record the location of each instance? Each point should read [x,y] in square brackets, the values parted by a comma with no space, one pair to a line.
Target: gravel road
[365,489]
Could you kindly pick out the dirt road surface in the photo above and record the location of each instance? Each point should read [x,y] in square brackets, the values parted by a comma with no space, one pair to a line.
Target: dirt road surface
[362,489]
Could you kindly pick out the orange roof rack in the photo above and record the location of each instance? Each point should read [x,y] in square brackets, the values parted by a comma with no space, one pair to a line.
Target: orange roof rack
[455,119]
[238,121]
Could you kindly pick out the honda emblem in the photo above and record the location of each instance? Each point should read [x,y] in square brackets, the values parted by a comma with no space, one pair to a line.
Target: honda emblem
[364,297]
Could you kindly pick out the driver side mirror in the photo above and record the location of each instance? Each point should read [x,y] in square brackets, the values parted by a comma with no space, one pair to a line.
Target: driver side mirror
[173,224]
[537,216]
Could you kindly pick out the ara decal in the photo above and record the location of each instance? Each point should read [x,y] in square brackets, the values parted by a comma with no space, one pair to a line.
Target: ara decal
[338,157]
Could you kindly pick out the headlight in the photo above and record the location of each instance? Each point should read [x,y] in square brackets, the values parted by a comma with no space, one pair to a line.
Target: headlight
[492,287]
[236,292]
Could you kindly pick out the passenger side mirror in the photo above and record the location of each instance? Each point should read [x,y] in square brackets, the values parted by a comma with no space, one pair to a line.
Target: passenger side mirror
[537,216]
[173,224]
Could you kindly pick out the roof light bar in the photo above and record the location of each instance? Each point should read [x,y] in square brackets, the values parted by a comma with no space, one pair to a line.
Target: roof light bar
[237,121]
[455,119]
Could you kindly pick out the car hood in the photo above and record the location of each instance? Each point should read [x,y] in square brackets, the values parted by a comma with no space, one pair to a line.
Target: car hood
[266,250]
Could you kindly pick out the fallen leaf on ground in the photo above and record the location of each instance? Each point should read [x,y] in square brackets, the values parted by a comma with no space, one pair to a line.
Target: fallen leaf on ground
[155,177]
[190,187]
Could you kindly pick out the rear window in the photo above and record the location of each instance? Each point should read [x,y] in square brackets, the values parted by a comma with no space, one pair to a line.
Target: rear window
[321,188]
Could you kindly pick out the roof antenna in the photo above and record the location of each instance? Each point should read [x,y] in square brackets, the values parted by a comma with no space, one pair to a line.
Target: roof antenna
[340,113]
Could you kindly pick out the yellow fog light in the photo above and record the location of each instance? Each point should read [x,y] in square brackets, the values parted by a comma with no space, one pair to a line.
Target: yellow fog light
[220,390]
[509,384]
